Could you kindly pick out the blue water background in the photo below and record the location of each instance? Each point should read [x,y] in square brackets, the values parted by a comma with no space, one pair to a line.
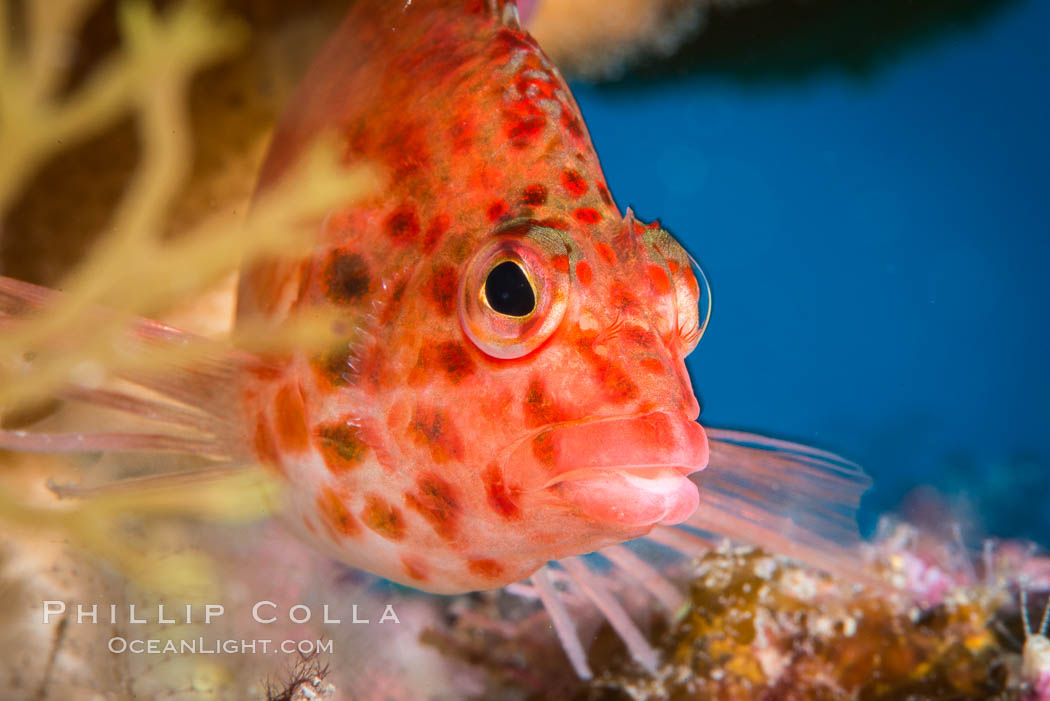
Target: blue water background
[879,253]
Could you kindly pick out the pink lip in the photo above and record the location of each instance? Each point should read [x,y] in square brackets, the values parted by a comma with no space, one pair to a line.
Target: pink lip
[633,498]
[624,471]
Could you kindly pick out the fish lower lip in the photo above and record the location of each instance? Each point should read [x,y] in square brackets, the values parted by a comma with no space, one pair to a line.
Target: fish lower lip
[632,497]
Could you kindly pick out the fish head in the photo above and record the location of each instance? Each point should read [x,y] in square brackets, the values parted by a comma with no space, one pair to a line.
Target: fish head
[592,421]
[511,387]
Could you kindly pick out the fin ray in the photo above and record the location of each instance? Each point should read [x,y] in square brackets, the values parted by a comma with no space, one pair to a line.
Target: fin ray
[786,497]
[184,383]
[136,484]
[83,442]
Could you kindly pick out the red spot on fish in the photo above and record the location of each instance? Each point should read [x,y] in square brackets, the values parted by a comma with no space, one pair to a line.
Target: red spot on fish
[543,448]
[603,192]
[524,130]
[486,568]
[572,124]
[540,409]
[337,518]
[573,182]
[613,379]
[641,336]
[346,278]
[560,263]
[290,419]
[498,494]
[617,383]
[588,215]
[433,428]
[621,298]
[435,501]
[435,232]
[583,272]
[333,368]
[507,40]
[383,518]
[534,195]
[606,253]
[414,568]
[658,277]
[441,289]
[406,145]
[455,361]
[672,265]
[341,446]
[340,367]
[653,365]
[518,228]
[403,225]
[554,223]
[496,210]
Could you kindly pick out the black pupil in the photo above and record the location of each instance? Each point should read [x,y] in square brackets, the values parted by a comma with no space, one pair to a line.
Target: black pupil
[508,291]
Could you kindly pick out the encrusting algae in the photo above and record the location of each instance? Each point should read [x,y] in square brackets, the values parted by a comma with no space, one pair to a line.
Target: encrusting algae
[763,627]
[740,624]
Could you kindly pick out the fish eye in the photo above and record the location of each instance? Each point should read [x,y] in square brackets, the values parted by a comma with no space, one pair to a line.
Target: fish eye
[514,290]
[508,290]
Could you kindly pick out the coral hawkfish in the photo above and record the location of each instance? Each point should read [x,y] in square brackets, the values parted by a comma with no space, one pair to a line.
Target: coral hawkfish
[510,386]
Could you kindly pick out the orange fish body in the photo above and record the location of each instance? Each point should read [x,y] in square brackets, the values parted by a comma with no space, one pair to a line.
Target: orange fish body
[511,388]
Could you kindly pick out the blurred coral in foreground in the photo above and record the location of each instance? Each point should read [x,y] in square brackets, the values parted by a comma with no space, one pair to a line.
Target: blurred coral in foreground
[132,541]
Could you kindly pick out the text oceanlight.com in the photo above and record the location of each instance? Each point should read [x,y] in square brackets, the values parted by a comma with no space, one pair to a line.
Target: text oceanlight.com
[200,646]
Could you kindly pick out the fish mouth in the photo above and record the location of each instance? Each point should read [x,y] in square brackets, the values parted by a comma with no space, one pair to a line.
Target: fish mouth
[627,471]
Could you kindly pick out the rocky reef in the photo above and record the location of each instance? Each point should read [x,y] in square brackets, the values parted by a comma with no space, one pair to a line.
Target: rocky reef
[923,619]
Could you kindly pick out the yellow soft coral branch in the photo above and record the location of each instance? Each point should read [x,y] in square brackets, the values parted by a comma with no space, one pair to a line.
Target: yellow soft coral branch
[158,56]
[82,336]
